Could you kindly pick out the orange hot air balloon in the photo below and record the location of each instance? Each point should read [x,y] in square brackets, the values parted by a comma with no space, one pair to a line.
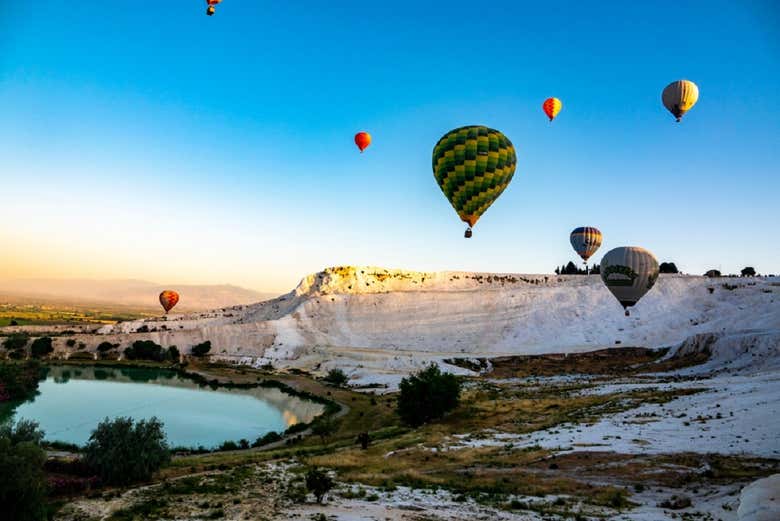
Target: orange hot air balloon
[168,299]
[551,107]
[362,140]
[210,9]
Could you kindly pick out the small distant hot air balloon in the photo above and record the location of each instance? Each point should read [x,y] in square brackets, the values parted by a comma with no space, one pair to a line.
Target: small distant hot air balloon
[551,107]
[679,97]
[629,272]
[168,299]
[585,240]
[473,165]
[362,140]
[210,9]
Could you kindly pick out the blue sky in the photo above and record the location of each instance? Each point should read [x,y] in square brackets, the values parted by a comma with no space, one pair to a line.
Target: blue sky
[147,140]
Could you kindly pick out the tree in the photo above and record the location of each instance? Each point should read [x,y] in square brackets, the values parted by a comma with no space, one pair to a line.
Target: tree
[324,426]
[104,347]
[336,377]
[145,350]
[427,395]
[668,267]
[121,451]
[712,273]
[22,479]
[15,341]
[202,348]
[557,270]
[173,354]
[24,431]
[318,483]
[748,271]
[570,269]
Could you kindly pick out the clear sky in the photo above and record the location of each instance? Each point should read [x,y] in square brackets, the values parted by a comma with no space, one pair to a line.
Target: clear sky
[147,140]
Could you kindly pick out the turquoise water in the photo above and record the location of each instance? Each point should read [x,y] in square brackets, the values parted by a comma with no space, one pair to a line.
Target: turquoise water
[73,400]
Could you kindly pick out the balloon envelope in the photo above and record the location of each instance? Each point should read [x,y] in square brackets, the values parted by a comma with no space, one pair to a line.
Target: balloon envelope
[679,97]
[473,165]
[362,140]
[551,107]
[629,272]
[168,299]
[585,240]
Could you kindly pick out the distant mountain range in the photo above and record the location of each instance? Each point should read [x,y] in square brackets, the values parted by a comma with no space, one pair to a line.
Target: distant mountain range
[131,293]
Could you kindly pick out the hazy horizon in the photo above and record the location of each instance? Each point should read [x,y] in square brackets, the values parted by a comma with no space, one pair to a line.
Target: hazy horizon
[161,144]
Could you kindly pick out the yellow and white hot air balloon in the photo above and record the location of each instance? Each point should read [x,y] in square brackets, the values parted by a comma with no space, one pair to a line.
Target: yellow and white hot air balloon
[629,272]
[679,97]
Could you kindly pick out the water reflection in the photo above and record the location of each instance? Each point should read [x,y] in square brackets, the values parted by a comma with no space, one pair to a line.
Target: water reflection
[72,401]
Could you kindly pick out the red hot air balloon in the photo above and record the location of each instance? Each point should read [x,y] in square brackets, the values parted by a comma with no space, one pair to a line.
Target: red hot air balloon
[362,140]
[210,9]
[551,107]
[168,299]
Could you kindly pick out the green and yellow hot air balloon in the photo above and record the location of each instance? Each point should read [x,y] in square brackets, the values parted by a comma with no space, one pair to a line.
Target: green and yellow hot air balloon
[473,165]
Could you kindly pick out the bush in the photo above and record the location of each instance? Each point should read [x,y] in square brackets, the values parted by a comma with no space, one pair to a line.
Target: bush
[324,427]
[228,445]
[267,438]
[318,483]
[427,395]
[201,349]
[22,481]
[336,377]
[712,273]
[106,346]
[122,451]
[24,431]
[173,354]
[145,350]
[748,271]
[16,341]
[81,355]
[668,267]
[19,381]
[71,342]
[41,347]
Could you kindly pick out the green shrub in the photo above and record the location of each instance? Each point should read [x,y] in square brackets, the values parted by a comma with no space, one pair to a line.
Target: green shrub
[81,355]
[324,427]
[336,377]
[267,438]
[106,346]
[145,350]
[41,347]
[24,431]
[173,354]
[202,348]
[318,483]
[19,381]
[122,451]
[22,481]
[16,341]
[427,395]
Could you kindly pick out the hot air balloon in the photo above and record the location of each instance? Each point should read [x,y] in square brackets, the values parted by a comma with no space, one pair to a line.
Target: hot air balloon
[551,107]
[168,299]
[210,9]
[679,97]
[472,166]
[362,140]
[629,272]
[585,240]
